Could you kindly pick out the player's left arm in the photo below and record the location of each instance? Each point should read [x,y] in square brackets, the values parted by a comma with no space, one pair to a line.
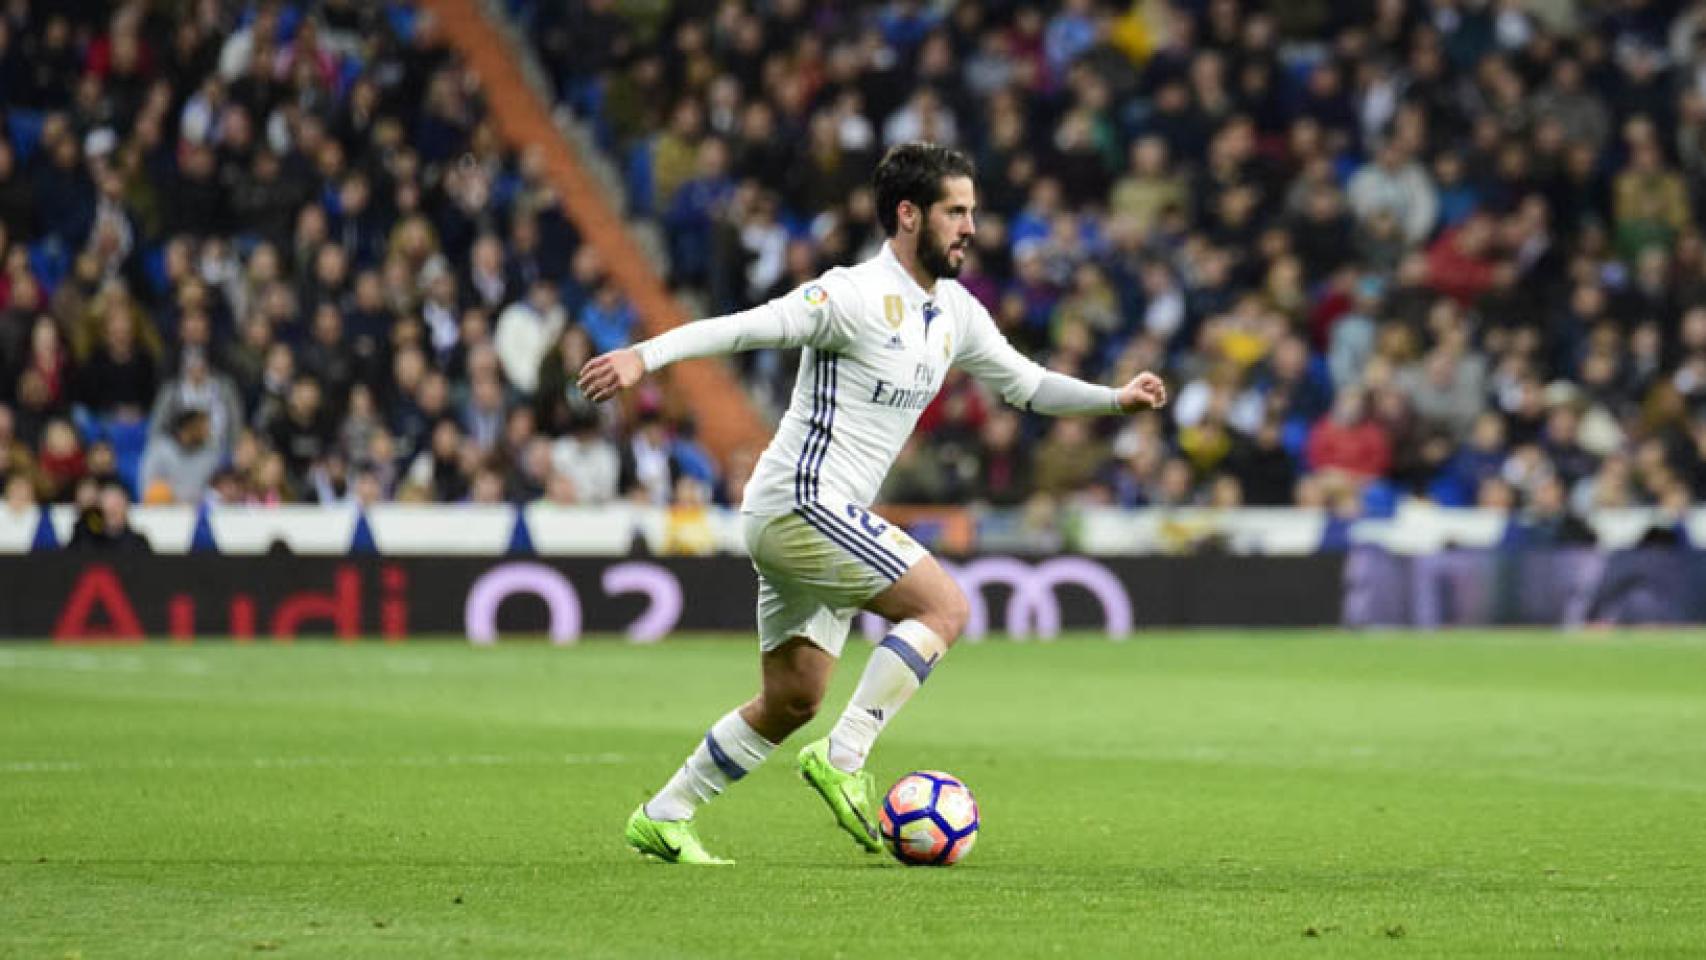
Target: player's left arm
[987,355]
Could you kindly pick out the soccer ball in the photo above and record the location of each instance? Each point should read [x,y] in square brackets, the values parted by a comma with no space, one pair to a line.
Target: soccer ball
[929,819]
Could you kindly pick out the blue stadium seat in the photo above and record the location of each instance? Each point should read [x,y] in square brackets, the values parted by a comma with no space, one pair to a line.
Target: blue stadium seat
[289,18]
[1450,491]
[505,186]
[637,175]
[23,129]
[1379,500]
[129,439]
[154,268]
[49,263]
[1294,436]
[349,71]
[403,20]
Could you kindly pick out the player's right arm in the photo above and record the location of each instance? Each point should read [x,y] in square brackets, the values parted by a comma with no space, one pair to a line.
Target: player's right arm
[1022,382]
[817,314]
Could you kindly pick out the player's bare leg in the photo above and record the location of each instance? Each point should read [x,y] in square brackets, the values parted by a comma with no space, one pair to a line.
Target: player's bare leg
[929,612]
[795,675]
[793,678]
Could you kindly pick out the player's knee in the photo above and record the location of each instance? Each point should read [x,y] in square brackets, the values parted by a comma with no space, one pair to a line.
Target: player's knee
[793,710]
[951,614]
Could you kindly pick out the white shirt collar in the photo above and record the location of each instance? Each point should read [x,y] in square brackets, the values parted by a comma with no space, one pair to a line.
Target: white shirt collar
[887,256]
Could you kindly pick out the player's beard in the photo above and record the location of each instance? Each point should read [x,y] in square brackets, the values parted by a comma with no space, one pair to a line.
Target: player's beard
[933,255]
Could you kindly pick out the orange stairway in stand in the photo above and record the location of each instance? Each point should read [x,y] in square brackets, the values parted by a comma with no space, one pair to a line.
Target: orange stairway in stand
[727,421]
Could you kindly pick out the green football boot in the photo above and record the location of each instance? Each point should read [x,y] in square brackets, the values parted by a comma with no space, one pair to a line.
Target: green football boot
[672,841]
[848,794]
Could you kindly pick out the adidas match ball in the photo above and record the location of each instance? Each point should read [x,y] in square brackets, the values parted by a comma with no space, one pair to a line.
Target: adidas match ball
[929,819]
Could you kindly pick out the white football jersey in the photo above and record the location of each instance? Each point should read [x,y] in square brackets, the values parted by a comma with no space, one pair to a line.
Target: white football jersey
[876,349]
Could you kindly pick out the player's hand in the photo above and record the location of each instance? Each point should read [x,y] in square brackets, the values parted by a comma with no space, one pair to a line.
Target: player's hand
[607,375]
[1145,391]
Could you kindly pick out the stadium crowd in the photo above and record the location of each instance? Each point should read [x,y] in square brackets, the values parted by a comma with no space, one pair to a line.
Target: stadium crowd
[1446,249]
[277,252]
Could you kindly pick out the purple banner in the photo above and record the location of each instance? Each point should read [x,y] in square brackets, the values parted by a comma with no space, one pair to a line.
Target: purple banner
[1524,587]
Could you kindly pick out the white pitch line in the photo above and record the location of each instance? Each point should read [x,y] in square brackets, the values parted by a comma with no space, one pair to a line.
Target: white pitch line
[299,762]
[82,661]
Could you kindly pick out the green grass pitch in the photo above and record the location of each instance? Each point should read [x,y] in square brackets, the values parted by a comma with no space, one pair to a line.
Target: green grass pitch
[1198,794]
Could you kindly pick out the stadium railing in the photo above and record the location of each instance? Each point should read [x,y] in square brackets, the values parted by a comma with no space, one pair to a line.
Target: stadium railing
[619,529]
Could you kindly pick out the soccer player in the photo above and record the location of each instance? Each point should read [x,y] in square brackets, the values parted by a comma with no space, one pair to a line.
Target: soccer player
[877,340]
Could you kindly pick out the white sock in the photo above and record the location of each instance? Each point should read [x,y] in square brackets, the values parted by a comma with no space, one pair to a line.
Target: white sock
[896,670]
[731,750]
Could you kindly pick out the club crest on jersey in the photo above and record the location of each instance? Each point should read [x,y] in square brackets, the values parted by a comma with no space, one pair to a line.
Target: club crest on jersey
[893,310]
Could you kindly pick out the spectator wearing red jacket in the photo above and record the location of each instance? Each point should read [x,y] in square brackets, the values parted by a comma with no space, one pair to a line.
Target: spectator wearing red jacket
[1347,441]
[1460,262]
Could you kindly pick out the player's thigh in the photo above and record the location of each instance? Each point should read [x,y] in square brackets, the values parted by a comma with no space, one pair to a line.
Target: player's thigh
[926,593]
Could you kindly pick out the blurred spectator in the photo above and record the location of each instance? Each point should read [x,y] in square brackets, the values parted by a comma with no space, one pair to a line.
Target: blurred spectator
[200,388]
[608,319]
[302,431]
[20,497]
[179,465]
[483,413]
[1395,184]
[119,378]
[437,471]
[1068,458]
[266,482]
[1348,441]
[558,404]
[1446,389]
[104,526]
[1548,521]
[1651,202]
[1459,264]
[688,530]
[648,468]
[691,214]
[61,461]
[588,462]
[326,356]
[1263,469]
[526,331]
[914,477]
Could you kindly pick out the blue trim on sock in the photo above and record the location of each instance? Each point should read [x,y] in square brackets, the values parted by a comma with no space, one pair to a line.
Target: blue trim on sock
[730,769]
[914,661]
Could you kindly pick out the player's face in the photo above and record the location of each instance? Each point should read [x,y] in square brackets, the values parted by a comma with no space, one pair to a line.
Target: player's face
[948,229]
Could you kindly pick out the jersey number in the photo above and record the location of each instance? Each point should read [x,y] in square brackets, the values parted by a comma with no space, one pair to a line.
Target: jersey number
[871,525]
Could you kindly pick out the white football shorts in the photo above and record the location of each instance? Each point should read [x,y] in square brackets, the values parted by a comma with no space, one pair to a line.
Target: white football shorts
[820,564]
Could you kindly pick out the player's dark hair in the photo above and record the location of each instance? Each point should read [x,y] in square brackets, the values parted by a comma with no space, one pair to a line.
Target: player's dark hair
[915,171]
